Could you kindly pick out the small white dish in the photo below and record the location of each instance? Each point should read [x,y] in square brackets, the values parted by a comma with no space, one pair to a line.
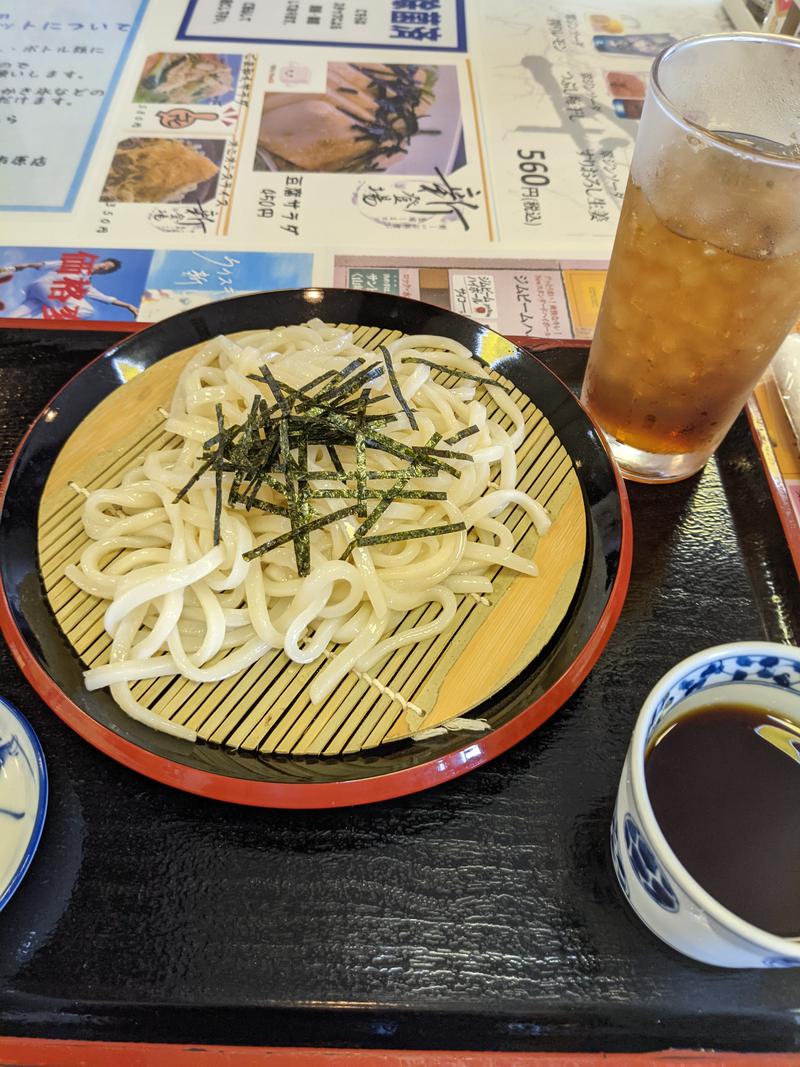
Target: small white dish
[657,885]
[23,797]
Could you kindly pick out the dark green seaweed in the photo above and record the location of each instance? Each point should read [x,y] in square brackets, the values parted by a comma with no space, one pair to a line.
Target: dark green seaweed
[270,450]
[401,400]
[460,373]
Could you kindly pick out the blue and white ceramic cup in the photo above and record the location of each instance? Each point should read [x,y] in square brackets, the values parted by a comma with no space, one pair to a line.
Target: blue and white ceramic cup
[659,888]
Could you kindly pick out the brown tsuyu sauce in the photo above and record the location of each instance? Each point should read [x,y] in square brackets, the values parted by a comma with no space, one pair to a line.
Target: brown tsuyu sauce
[724,783]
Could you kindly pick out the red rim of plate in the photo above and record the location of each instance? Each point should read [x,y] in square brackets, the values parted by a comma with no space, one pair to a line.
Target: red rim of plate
[480,748]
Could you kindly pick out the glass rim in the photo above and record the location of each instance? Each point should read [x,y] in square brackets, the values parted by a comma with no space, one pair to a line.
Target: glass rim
[715,139]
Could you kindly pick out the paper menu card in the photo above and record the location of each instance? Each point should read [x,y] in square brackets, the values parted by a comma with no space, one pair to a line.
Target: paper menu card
[301,131]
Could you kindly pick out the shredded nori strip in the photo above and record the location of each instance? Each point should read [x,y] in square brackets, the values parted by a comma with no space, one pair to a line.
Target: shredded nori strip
[386,444]
[401,400]
[377,494]
[338,377]
[345,388]
[198,474]
[270,449]
[334,376]
[411,535]
[291,535]
[261,505]
[335,459]
[277,389]
[218,476]
[244,448]
[350,404]
[361,465]
[377,511]
[224,436]
[468,431]
[295,502]
[460,373]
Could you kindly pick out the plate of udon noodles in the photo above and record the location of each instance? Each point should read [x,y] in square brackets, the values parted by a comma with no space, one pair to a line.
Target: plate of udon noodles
[311,548]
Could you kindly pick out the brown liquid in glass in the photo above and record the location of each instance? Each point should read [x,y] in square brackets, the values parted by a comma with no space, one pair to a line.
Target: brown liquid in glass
[724,783]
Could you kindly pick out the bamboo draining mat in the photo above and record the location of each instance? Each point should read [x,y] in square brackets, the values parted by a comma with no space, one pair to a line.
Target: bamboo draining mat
[265,707]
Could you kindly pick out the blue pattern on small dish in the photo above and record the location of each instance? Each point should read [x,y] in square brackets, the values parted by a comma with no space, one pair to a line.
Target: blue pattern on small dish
[616,858]
[770,670]
[646,867]
[23,797]
[780,961]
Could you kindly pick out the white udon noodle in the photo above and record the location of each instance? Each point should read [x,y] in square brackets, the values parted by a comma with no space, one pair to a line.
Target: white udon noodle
[179,605]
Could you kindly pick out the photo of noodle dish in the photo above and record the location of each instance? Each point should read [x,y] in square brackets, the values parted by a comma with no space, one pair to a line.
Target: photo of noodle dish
[323,508]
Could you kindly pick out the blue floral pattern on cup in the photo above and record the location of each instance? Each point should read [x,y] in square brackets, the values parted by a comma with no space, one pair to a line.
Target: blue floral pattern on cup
[781,961]
[783,671]
[616,858]
[646,867]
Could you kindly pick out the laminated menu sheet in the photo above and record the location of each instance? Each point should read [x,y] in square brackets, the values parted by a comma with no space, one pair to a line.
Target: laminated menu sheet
[159,155]
[774,411]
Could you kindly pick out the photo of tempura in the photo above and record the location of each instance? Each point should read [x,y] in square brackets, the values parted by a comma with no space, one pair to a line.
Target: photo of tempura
[156,170]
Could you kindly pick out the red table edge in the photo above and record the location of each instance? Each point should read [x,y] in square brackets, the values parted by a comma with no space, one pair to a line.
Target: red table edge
[74,325]
[476,751]
[41,1052]
[775,479]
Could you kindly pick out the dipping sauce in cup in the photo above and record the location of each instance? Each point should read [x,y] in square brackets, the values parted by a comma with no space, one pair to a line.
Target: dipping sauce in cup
[724,784]
[704,837]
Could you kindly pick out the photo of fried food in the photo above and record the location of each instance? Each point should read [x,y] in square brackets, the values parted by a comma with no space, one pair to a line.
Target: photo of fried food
[187,78]
[369,118]
[154,170]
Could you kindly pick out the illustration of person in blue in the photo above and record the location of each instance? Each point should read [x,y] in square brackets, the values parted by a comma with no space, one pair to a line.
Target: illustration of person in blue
[65,289]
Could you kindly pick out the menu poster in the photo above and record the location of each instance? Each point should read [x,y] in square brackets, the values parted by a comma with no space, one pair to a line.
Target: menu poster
[122,285]
[434,24]
[561,89]
[59,66]
[525,298]
[283,134]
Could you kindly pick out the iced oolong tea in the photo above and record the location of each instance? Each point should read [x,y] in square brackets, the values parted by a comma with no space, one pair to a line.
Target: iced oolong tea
[684,330]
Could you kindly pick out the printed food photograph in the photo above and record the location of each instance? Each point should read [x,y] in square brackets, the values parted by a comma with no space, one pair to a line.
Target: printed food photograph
[626,85]
[606,24]
[402,118]
[188,78]
[158,170]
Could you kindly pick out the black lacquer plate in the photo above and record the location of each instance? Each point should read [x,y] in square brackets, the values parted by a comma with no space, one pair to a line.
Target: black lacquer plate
[54,670]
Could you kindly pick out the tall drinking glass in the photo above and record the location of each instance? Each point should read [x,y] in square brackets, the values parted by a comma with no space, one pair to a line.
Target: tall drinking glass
[704,280]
